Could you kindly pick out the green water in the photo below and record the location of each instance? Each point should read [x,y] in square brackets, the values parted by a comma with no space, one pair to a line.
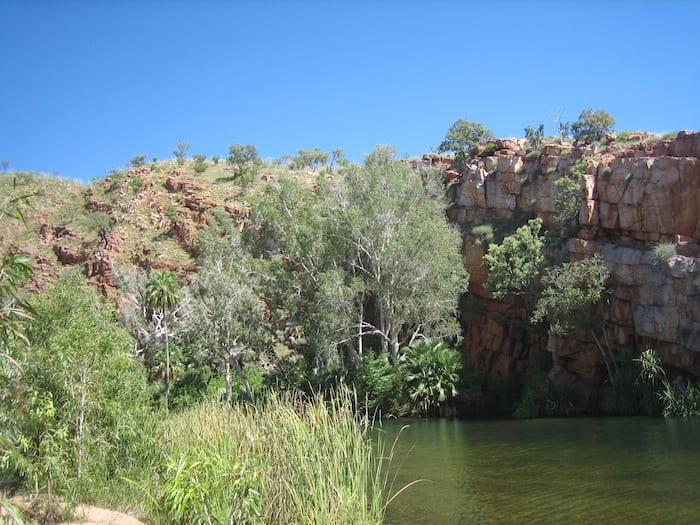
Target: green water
[593,470]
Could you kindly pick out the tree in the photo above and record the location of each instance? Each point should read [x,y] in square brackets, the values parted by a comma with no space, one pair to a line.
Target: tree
[569,198]
[571,289]
[369,257]
[562,294]
[225,311]
[462,136]
[138,160]
[592,125]
[562,127]
[515,263]
[308,159]
[243,159]
[337,157]
[535,136]
[163,294]
[402,248]
[181,152]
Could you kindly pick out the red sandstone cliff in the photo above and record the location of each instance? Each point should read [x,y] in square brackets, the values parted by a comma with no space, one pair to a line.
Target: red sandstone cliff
[634,197]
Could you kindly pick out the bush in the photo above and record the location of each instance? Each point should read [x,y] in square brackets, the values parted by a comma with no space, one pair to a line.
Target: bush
[431,371]
[379,384]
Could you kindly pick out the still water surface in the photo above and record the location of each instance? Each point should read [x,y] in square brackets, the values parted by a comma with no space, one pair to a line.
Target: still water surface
[592,470]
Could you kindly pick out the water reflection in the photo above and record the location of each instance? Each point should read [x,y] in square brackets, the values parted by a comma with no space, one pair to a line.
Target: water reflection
[598,470]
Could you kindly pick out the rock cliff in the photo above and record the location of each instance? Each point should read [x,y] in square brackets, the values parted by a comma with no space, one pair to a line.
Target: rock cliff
[635,195]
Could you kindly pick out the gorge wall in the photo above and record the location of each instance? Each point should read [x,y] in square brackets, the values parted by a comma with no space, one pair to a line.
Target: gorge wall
[635,195]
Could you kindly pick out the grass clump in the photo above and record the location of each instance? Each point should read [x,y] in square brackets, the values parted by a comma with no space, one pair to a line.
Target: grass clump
[663,252]
[282,460]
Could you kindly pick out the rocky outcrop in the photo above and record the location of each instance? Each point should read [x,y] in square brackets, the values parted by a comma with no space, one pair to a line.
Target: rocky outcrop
[632,199]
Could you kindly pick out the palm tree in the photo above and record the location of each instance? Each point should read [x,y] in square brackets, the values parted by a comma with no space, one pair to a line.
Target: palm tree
[163,293]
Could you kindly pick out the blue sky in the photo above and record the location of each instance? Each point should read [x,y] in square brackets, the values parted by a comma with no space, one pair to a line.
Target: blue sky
[86,85]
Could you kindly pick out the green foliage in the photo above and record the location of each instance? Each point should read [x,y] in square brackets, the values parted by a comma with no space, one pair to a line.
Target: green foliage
[162,295]
[679,399]
[516,262]
[224,311]
[489,149]
[663,252]
[431,371]
[163,290]
[309,159]
[378,238]
[181,152]
[540,397]
[244,161]
[282,460]
[484,233]
[462,136]
[215,159]
[137,161]
[592,125]
[570,289]
[15,311]
[535,136]
[200,163]
[78,412]
[630,394]
[569,198]
[380,384]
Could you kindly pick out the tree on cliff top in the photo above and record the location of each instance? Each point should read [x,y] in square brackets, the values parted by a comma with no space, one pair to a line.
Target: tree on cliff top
[462,136]
[592,125]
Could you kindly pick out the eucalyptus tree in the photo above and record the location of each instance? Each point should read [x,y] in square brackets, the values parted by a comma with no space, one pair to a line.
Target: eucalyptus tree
[400,245]
[307,285]
[224,310]
[163,294]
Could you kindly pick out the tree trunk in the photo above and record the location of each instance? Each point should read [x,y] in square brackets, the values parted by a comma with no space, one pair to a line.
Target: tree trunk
[359,329]
[395,347]
[167,363]
[227,373]
[239,370]
[80,422]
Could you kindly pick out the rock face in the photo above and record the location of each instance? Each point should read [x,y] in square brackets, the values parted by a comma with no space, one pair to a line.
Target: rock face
[630,203]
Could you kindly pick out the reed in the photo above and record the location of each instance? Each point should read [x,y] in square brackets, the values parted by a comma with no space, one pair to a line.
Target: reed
[286,459]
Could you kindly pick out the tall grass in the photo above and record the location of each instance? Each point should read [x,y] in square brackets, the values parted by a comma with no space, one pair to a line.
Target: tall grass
[282,460]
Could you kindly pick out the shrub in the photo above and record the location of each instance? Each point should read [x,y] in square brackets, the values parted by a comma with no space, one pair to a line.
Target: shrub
[431,375]
[200,163]
[484,233]
[568,199]
[181,152]
[380,384]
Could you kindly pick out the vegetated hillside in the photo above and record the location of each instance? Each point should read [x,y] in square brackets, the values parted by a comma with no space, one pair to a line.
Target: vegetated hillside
[634,195]
[150,214]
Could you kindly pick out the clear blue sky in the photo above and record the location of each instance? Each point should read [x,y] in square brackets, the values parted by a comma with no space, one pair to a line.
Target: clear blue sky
[86,85]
